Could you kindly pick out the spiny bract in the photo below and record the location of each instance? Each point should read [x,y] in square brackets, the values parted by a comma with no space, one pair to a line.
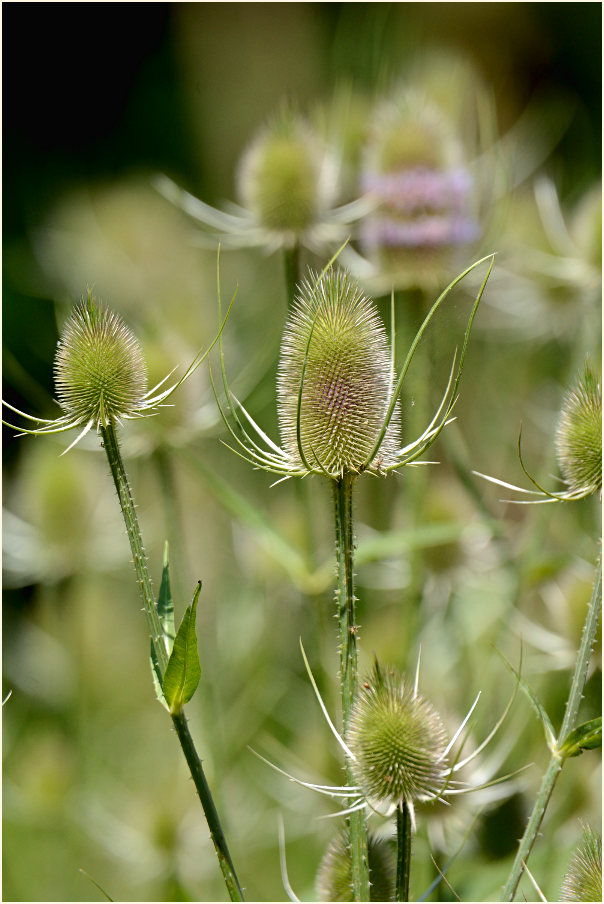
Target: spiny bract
[335,347]
[398,741]
[100,372]
[579,436]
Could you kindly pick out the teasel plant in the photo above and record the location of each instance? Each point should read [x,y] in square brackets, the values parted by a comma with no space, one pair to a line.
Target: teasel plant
[339,417]
[583,878]
[578,444]
[287,188]
[101,381]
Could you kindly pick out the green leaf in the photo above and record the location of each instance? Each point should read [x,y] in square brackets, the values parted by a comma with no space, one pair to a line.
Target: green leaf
[184,669]
[585,737]
[165,604]
[165,610]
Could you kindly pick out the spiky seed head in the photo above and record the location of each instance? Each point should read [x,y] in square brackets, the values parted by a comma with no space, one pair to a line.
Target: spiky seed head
[100,373]
[579,435]
[281,179]
[335,342]
[583,879]
[398,741]
[334,879]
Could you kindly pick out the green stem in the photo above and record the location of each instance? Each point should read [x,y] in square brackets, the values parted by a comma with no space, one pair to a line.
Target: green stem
[209,809]
[568,724]
[403,855]
[345,600]
[120,478]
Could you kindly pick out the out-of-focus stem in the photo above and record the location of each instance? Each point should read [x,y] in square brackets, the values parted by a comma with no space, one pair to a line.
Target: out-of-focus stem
[403,856]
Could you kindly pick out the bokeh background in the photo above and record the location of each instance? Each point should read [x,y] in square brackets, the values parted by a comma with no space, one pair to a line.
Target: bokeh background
[98,100]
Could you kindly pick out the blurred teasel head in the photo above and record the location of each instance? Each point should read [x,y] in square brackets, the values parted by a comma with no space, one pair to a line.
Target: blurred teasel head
[285,178]
[583,879]
[398,742]
[422,189]
[334,879]
[335,379]
[579,436]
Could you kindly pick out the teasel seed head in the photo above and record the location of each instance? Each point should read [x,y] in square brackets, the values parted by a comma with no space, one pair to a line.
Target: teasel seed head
[282,178]
[583,879]
[335,345]
[579,436]
[334,879]
[100,373]
[398,741]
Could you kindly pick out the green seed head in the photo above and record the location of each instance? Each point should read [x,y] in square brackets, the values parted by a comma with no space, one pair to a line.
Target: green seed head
[334,879]
[281,178]
[100,372]
[583,879]
[335,342]
[398,741]
[579,436]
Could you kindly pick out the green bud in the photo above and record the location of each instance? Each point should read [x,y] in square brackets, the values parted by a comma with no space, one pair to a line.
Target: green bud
[334,879]
[579,436]
[335,342]
[281,179]
[100,372]
[583,879]
[398,741]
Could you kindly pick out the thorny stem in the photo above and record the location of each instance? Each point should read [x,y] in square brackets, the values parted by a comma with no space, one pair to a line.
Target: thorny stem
[568,724]
[120,478]
[292,272]
[403,856]
[345,600]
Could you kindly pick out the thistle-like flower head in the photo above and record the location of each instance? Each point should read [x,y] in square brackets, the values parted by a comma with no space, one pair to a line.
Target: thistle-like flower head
[334,879]
[100,375]
[579,436]
[337,390]
[100,372]
[335,350]
[583,879]
[398,741]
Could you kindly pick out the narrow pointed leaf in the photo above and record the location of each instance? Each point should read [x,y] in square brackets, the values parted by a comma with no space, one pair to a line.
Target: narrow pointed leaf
[165,610]
[587,736]
[184,669]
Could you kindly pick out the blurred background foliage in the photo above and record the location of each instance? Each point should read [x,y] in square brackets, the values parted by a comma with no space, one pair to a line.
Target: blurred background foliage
[99,100]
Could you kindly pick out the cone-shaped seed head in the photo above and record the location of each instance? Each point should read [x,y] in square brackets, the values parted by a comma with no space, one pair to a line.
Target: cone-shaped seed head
[398,741]
[347,384]
[579,436]
[583,879]
[280,177]
[334,879]
[100,372]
